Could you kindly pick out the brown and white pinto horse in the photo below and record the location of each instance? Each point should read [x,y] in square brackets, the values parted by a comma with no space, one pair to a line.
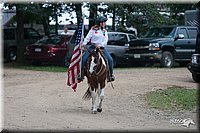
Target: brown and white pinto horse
[96,72]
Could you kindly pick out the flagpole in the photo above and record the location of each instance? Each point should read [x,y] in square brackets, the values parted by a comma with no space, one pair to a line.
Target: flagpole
[74,69]
[82,37]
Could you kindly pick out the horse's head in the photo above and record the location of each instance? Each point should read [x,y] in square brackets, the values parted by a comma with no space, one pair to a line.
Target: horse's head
[94,61]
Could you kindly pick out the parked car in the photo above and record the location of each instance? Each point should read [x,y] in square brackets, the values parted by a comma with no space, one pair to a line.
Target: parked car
[116,45]
[164,45]
[51,49]
[10,42]
[194,66]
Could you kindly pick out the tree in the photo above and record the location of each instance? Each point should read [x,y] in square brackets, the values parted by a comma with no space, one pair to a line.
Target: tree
[177,12]
[20,31]
[93,14]
[79,14]
[144,15]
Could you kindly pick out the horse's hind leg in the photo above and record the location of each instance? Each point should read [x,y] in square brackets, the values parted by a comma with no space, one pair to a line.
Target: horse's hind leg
[101,96]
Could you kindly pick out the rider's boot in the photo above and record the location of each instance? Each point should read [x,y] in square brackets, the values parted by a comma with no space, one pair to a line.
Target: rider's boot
[111,77]
[81,77]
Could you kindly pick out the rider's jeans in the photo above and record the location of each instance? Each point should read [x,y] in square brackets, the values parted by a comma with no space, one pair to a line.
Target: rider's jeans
[87,54]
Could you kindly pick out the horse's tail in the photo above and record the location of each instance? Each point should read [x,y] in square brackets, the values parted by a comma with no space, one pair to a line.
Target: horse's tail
[87,94]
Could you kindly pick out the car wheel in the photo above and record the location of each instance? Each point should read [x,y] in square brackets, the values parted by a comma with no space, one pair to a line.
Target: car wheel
[12,55]
[196,77]
[167,59]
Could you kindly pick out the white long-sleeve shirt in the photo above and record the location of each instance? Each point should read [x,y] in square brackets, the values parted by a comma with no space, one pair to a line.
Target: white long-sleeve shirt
[97,36]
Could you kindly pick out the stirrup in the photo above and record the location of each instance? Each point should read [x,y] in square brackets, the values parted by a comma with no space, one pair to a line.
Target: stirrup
[111,78]
[80,78]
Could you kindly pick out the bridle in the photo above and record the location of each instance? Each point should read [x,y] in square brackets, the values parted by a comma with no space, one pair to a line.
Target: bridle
[100,62]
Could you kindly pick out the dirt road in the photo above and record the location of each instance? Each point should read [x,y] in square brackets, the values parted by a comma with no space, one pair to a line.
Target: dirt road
[35,100]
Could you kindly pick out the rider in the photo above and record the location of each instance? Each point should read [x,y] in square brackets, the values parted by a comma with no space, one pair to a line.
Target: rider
[98,37]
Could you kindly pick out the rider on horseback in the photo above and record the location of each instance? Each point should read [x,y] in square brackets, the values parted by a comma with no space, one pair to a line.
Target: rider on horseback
[98,37]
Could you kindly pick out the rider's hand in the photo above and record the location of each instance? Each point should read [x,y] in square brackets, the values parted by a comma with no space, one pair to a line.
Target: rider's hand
[98,46]
[82,47]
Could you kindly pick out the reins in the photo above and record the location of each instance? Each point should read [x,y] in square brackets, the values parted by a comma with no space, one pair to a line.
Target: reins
[101,71]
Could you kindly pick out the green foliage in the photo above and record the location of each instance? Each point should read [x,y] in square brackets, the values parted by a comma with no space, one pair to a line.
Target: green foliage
[173,98]
[140,15]
[144,15]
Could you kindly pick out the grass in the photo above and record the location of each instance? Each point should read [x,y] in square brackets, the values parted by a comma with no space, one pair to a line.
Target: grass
[173,98]
[44,68]
[38,68]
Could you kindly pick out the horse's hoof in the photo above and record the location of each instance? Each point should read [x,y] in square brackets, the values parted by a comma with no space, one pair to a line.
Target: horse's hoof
[99,109]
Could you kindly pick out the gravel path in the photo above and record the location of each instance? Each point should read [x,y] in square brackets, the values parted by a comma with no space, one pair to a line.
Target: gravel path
[35,100]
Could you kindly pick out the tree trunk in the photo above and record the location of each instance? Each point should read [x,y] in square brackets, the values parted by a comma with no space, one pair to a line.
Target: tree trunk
[78,12]
[56,19]
[56,28]
[113,19]
[45,25]
[93,15]
[20,34]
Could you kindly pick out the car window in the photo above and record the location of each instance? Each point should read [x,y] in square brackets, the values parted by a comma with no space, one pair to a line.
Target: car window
[49,40]
[160,32]
[111,36]
[31,34]
[192,32]
[121,38]
[117,39]
[9,34]
[183,31]
[132,37]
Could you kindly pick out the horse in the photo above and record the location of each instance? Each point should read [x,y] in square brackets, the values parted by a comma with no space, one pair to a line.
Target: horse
[96,72]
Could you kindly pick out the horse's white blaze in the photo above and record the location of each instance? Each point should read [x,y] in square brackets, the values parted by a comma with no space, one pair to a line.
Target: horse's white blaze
[92,65]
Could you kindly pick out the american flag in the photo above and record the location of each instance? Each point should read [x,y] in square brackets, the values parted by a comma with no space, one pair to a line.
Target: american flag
[74,69]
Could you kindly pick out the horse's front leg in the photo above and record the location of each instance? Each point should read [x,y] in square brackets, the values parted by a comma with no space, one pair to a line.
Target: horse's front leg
[101,97]
[94,107]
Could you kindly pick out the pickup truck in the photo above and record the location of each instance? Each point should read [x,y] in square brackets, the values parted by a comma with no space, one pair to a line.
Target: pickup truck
[116,46]
[194,66]
[164,45]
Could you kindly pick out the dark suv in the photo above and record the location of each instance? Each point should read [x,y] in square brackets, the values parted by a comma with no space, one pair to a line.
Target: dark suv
[165,45]
[10,43]
[194,66]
